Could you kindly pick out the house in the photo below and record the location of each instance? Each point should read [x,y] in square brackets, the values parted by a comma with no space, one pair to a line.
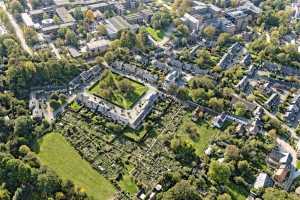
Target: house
[139,17]
[171,78]
[263,181]
[251,70]
[54,28]
[255,127]
[273,101]
[116,24]
[27,20]
[192,22]
[220,120]
[239,18]
[242,84]
[102,6]
[64,15]
[229,58]
[246,61]
[277,158]
[92,73]
[293,109]
[281,174]
[98,46]
[73,52]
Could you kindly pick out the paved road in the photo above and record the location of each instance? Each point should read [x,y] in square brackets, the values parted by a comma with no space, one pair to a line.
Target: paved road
[18,30]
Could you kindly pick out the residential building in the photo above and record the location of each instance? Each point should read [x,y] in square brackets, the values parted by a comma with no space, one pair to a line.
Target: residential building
[273,101]
[98,46]
[116,24]
[263,181]
[64,15]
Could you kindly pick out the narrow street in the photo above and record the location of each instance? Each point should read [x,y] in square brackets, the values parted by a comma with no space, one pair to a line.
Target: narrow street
[18,30]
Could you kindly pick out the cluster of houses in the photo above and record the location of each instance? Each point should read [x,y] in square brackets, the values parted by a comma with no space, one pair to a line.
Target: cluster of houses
[231,57]
[38,96]
[132,117]
[57,14]
[234,20]
[132,70]
[85,78]
[293,110]
[244,127]
[281,163]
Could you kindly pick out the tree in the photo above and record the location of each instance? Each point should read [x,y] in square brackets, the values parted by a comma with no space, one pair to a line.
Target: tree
[142,39]
[182,191]
[4,193]
[232,152]
[273,193]
[240,108]
[223,39]
[179,7]
[127,39]
[78,14]
[184,152]
[126,87]
[23,126]
[101,30]
[89,16]
[183,93]
[108,56]
[71,38]
[219,172]
[224,196]
[209,31]
[217,104]
[54,104]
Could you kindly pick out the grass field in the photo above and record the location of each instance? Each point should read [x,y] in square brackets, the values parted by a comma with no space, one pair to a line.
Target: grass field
[57,154]
[75,106]
[236,192]
[127,184]
[110,88]
[205,132]
[155,34]
[298,164]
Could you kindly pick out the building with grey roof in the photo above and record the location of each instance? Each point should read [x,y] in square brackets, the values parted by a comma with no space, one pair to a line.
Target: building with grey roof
[116,24]
[64,15]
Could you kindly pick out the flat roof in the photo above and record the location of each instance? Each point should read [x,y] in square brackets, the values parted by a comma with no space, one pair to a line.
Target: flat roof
[98,44]
[118,23]
[64,15]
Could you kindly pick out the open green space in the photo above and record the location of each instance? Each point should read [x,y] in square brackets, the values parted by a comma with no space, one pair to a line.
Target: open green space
[127,184]
[298,164]
[156,34]
[198,135]
[56,153]
[118,90]
[236,192]
[75,106]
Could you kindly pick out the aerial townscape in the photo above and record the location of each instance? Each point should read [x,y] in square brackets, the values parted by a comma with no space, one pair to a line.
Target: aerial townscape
[149,99]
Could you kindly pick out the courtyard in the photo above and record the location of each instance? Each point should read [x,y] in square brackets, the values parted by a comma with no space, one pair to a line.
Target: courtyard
[118,90]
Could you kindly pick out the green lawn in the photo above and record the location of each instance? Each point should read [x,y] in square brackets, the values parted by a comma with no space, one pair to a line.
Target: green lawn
[111,88]
[298,164]
[205,132]
[75,106]
[127,184]
[156,34]
[236,192]
[57,154]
